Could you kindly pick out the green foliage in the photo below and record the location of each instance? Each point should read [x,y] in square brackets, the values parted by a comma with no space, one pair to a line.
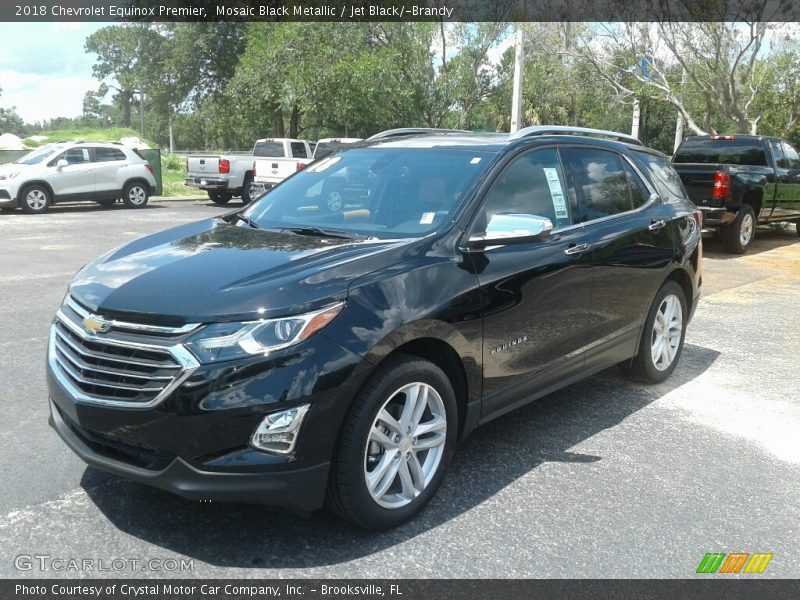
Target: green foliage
[87,134]
[173,162]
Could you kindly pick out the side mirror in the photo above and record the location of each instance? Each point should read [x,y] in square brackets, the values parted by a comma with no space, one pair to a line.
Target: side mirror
[61,164]
[505,229]
[655,199]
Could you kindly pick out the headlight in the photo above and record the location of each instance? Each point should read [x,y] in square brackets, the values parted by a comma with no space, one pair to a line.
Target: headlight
[226,341]
[11,175]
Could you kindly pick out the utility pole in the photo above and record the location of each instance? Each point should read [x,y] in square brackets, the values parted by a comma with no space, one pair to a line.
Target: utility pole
[141,109]
[637,116]
[679,125]
[516,97]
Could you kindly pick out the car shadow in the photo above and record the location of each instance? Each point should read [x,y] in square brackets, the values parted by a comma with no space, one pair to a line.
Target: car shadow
[493,457]
[767,238]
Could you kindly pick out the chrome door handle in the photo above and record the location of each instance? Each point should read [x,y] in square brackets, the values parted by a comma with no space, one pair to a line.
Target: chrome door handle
[577,249]
[657,224]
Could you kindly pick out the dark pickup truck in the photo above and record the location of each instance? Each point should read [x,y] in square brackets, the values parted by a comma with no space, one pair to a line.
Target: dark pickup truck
[739,181]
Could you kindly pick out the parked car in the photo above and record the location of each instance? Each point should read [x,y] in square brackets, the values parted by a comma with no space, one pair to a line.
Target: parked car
[284,157]
[328,145]
[738,181]
[224,177]
[70,171]
[289,352]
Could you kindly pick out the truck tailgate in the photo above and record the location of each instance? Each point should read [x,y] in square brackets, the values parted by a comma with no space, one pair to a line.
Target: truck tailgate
[698,179]
[203,165]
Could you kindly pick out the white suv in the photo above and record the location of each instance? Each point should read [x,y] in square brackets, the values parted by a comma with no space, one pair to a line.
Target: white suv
[101,172]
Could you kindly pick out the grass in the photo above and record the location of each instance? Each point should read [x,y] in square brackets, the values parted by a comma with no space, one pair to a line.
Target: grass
[172,181]
[87,134]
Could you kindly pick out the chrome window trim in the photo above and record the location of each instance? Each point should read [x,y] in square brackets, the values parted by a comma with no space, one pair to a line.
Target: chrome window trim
[189,327]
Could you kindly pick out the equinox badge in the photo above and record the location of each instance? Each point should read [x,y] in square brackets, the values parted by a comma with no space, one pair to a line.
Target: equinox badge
[95,324]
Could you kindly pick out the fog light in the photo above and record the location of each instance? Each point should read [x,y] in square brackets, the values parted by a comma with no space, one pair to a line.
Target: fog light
[278,431]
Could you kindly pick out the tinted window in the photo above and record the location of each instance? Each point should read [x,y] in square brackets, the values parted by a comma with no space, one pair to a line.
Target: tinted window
[777,153]
[531,185]
[380,192]
[638,190]
[663,176]
[268,149]
[299,150]
[792,158]
[729,152]
[600,182]
[323,148]
[108,154]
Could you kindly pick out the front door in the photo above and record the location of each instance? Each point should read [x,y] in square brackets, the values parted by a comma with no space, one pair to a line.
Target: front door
[536,296]
[76,180]
[787,200]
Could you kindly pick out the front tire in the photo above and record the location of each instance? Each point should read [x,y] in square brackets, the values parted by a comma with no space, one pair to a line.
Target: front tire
[661,344]
[395,445]
[35,199]
[135,194]
[737,236]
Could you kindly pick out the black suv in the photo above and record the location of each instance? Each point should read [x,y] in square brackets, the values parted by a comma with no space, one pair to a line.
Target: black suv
[334,339]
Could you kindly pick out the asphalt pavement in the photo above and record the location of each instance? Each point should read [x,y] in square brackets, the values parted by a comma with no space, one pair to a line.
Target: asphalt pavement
[605,478]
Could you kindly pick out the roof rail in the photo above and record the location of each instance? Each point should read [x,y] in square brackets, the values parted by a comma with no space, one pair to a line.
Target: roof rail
[567,130]
[389,133]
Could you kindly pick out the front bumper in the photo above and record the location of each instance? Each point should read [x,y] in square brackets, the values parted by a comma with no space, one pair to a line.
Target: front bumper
[195,442]
[206,183]
[8,196]
[301,489]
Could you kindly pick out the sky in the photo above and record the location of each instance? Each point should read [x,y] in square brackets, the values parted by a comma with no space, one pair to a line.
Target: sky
[44,70]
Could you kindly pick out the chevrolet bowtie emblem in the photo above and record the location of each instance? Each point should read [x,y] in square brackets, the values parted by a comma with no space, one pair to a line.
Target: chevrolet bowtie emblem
[95,324]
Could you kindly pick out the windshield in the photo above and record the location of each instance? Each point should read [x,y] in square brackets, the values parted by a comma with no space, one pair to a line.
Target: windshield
[379,192]
[730,152]
[37,156]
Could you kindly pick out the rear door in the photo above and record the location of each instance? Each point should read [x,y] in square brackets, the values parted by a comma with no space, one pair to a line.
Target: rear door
[632,240]
[77,179]
[108,162]
[537,295]
[787,202]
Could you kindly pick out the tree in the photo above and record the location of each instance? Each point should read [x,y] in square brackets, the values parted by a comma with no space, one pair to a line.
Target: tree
[123,52]
[720,61]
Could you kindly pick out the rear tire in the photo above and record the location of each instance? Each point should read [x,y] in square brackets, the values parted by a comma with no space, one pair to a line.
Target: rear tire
[219,197]
[737,236]
[35,199]
[135,194]
[661,344]
[247,190]
[395,444]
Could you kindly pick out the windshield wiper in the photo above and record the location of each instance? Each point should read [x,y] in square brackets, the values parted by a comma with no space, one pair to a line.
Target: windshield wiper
[316,231]
[247,220]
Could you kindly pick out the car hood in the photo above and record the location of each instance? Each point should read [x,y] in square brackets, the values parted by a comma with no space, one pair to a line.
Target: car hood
[12,168]
[213,271]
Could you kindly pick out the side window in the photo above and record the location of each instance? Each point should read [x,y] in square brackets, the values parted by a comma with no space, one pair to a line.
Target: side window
[532,185]
[777,153]
[74,156]
[601,183]
[108,154]
[792,158]
[638,190]
[663,177]
[299,150]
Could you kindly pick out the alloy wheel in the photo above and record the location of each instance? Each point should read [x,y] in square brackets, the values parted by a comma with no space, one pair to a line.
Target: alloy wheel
[36,199]
[667,332]
[746,229]
[137,195]
[405,445]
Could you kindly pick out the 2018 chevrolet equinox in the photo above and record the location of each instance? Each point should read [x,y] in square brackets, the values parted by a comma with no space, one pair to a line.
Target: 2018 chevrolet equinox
[331,342]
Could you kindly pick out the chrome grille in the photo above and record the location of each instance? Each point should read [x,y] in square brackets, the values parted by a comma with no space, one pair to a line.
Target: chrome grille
[131,364]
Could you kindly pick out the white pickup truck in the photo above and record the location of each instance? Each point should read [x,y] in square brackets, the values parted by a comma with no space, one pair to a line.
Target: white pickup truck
[224,177]
[283,158]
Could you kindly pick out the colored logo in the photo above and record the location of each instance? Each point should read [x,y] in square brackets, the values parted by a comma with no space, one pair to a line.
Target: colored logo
[734,562]
[95,324]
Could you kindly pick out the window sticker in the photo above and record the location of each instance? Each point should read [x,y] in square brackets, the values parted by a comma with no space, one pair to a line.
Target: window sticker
[427,218]
[556,192]
[475,160]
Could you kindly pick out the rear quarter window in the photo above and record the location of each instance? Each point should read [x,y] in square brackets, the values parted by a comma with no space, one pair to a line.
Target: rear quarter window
[729,152]
[663,176]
